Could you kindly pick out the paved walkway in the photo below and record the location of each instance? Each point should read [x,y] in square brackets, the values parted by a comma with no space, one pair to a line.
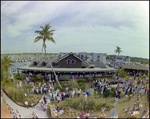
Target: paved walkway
[24,112]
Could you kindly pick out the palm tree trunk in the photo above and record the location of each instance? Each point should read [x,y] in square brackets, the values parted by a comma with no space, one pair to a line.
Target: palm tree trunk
[52,68]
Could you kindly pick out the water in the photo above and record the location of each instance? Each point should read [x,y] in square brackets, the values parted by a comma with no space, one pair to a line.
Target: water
[18,64]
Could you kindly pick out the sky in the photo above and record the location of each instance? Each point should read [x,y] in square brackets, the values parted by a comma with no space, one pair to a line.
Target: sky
[89,26]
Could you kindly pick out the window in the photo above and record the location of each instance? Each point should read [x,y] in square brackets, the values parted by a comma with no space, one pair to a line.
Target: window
[53,64]
[35,63]
[97,57]
[44,63]
[73,61]
[82,56]
[68,61]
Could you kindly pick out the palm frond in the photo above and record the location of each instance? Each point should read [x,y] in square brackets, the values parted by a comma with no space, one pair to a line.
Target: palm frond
[38,38]
[50,39]
[42,27]
[37,31]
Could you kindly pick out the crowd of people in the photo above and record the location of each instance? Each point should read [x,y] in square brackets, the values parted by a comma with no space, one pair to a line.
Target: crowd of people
[14,114]
[124,88]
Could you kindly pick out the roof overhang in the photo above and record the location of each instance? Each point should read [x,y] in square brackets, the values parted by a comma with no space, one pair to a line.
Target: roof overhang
[96,69]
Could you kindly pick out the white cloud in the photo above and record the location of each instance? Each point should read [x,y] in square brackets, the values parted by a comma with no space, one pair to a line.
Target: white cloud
[80,26]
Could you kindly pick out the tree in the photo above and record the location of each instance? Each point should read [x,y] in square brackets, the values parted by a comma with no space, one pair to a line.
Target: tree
[97,60]
[118,50]
[91,60]
[107,57]
[107,94]
[6,63]
[64,77]
[39,76]
[59,56]
[90,79]
[46,34]
[73,84]
[86,57]
[122,73]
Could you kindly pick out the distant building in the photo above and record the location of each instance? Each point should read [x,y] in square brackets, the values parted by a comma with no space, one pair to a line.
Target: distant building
[136,68]
[88,56]
[121,58]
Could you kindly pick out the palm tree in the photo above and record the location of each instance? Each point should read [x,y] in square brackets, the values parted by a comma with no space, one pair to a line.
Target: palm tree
[46,34]
[6,63]
[86,57]
[118,50]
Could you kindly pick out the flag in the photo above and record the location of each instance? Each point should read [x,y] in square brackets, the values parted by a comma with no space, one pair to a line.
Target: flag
[112,112]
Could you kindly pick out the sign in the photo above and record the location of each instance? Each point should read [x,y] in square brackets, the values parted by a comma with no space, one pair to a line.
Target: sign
[112,112]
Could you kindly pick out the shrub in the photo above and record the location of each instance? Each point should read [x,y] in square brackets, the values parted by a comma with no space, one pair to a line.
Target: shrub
[69,101]
[64,77]
[99,106]
[27,86]
[34,79]
[19,77]
[81,80]
[113,91]
[81,104]
[108,107]
[62,85]
[73,84]
[90,79]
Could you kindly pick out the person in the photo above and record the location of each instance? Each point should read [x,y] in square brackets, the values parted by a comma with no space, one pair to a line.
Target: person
[32,105]
[12,78]
[144,112]
[37,91]
[67,89]
[51,95]
[102,110]
[62,95]
[44,98]
[26,102]
[87,115]
[101,94]
[41,103]
[44,109]
[57,108]
[58,98]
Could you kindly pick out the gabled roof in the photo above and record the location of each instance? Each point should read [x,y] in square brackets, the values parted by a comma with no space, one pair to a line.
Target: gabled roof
[70,54]
[85,64]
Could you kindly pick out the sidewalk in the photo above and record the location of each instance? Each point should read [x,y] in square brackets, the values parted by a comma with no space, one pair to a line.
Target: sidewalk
[24,112]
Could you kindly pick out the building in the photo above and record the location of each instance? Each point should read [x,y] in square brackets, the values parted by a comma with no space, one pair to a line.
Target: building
[136,69]
[100,57]
[70,65]
[121,58]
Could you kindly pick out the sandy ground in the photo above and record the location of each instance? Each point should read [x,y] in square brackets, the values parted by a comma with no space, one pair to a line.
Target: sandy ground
[4,111]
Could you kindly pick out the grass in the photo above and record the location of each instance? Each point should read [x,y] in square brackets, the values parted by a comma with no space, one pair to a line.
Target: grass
[17,94]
